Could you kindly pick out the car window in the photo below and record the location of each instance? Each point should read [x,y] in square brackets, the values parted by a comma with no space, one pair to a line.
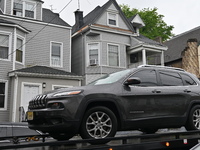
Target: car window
[110,78]
[170,78]
[188,80]
[147,77]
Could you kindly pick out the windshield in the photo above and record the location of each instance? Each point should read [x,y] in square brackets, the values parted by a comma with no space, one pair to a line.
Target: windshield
[110,78]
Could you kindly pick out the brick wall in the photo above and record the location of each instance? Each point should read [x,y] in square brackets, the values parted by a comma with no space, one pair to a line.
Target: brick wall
[190,59]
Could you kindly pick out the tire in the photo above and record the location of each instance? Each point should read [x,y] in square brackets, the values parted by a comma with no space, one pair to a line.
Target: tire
[60,136]
[98,123]
[193,121]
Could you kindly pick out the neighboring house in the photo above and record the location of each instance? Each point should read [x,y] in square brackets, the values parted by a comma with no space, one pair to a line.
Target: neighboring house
[105,41]
[184,51]
[35,55]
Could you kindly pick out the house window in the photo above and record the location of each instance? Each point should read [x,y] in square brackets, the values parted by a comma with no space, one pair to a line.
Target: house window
[93,54]
[4,46]
[18,8]
[29,10]
[2,95]
[134,58]
[24,9]
[112,19]
[19,50]
[56,54]
[113,55]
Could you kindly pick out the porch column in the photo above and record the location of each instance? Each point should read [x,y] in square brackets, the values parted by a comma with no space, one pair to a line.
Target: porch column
[162,58]
[144,59]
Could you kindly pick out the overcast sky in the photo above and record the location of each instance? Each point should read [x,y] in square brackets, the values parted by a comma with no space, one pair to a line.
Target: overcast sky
[184,15]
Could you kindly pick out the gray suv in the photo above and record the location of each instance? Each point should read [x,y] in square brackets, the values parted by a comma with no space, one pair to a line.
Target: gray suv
[146,98]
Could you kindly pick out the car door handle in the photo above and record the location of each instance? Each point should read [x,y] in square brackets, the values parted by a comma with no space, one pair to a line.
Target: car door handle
[187,91]
[156,91]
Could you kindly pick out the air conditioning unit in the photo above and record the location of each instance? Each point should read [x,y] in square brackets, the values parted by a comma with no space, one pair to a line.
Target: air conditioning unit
[93,62]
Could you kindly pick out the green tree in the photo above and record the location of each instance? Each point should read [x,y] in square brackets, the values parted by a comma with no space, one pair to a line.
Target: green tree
[154,25]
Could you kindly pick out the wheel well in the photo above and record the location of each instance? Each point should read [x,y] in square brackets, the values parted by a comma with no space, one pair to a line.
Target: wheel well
[194,104]
[109,105]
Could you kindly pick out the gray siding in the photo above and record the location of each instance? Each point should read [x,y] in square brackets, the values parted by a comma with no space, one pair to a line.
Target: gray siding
[2,5]
[78,56]
[39,11]
[8,7]
[37,48]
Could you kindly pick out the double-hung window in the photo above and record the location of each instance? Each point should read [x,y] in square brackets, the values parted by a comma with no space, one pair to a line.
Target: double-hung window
[4,46]
[3,95]
[24,9]
[93,54]
[113,55]
[18,8]
[56,54]
[19,50]
[112,19]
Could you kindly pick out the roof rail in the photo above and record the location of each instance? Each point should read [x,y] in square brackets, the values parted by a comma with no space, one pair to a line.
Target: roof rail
[164,67]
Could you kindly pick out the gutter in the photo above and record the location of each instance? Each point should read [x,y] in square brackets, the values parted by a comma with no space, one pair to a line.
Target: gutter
[38,75]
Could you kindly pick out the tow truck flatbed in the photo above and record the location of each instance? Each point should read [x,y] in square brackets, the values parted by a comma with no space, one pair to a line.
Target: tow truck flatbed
[159,141]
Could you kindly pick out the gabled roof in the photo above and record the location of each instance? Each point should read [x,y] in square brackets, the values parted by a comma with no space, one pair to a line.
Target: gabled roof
[137,21]
[43,71]
[178,43]
[49,17]
[97,12]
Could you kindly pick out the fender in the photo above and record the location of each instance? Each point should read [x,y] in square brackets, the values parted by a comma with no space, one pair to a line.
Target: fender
[101,99]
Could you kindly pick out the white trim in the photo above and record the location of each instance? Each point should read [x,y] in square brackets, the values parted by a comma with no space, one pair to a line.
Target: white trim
[6,94]
[34,21]
[10,44]
[108,54]
[14,47]
[4,11]
[23,49]
[61,54]
[87,53]
[61,86]
[70,47]
[14,110]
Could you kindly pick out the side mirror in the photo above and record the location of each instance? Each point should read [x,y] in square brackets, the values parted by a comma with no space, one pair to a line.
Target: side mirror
[132,80]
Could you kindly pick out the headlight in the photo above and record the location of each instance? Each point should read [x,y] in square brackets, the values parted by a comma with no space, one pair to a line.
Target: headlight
[67,93]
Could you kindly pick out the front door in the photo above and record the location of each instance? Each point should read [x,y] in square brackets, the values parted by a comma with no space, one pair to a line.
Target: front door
[29,92]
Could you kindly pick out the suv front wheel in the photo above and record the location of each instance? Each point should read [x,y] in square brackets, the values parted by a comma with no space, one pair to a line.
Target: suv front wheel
[98,122]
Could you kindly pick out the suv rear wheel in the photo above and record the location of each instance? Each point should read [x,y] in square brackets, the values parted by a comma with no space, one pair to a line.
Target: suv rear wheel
[193,122]
[98,122]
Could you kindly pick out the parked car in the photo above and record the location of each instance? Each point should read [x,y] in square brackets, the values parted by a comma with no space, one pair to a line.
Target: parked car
[14,132]
[146,98]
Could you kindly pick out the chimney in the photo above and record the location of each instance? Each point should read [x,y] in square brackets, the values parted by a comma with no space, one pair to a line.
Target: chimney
[79,17]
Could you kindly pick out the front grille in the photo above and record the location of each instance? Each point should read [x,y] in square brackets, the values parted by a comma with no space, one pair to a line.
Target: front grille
[38,102]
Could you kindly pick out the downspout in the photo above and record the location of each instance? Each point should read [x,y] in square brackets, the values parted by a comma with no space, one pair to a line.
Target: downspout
[14,110]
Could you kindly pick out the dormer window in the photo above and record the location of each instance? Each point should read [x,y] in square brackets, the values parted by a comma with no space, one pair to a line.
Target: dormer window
[24,9]
[112,19]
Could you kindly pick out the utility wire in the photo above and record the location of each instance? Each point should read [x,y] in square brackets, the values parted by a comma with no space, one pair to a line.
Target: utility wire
[40,29]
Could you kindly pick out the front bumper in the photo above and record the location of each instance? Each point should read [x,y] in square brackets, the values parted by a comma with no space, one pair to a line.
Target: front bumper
[50,120]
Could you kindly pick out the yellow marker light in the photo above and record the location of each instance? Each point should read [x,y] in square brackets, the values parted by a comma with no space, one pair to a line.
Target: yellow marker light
[167,144]
[110,149]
